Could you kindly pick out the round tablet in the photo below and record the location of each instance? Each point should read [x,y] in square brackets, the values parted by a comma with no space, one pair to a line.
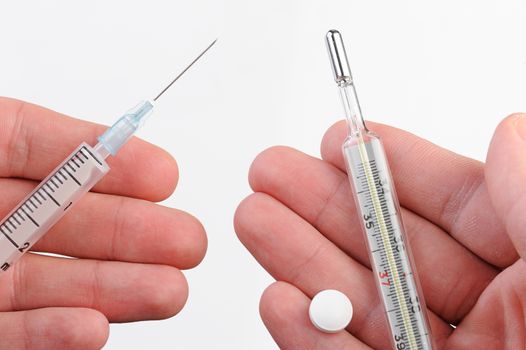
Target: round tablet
[330,311]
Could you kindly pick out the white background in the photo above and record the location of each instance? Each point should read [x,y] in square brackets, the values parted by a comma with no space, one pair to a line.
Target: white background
[448,71]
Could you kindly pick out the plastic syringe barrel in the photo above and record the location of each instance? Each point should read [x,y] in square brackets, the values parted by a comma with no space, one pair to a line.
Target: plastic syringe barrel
[59,191]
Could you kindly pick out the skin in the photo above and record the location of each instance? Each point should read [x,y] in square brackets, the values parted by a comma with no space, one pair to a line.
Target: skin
[465,221]
[130,251]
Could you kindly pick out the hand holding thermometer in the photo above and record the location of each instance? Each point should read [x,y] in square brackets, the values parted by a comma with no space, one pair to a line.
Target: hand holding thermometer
[61,189]
[377,204]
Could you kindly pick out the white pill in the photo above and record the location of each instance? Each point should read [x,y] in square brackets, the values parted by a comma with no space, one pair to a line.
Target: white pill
[330,311]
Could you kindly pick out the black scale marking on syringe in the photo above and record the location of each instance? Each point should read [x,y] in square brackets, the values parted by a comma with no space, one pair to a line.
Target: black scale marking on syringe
[42,194]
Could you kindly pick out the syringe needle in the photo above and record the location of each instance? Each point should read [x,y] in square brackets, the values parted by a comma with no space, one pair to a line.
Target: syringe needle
[121,131]
[184,70]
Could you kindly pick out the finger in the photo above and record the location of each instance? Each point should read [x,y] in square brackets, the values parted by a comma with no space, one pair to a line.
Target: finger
[34,140]
[291,250]
[285,309]
[53,328]
[445,188]
[497,320]
[123,292]
[321,194]
[506,177]
[109,227]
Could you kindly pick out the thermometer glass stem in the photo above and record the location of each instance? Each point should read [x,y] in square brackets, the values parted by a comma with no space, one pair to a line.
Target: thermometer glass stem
[378,207]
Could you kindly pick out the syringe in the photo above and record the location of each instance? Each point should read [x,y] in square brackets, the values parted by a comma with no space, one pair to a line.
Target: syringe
[378,207]
[73,178]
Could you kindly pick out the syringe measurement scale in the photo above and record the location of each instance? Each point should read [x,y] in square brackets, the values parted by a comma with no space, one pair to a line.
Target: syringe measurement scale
[43,207]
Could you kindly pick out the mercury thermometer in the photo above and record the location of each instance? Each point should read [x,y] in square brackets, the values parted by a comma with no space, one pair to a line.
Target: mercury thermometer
[377,205]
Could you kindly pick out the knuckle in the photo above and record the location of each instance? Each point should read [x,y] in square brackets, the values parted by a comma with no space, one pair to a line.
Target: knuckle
[17,144]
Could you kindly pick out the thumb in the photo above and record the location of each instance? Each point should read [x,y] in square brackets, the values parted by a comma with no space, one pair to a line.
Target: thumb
[506,177]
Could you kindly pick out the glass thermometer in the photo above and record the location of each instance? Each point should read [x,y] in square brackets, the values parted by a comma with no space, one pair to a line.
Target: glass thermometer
[377,204]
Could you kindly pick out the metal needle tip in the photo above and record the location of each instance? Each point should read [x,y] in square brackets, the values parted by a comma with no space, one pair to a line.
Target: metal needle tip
[338,56]
[184,70]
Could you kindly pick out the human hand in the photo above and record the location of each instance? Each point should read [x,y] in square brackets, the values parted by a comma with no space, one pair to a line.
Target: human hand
[301,225]
[129,250]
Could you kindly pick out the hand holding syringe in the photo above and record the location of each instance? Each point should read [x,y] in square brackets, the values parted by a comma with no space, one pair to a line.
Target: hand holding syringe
[121,254]
[79,172]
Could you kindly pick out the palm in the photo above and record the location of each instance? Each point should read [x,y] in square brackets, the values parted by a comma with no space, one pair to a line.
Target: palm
[501,312]
[300,225]
[124,244]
